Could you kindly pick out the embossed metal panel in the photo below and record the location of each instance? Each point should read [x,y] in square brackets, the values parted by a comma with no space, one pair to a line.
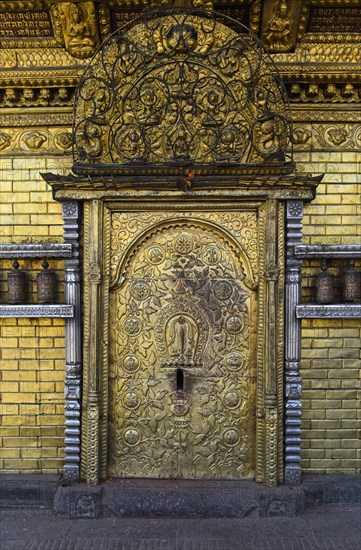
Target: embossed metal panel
[182,354]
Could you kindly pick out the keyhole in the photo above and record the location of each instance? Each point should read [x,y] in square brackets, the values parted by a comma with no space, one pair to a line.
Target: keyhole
[180,380]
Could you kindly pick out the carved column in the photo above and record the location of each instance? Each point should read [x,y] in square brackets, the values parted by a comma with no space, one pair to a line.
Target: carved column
[271,413]
[293,385]
[71,216]
[93,232]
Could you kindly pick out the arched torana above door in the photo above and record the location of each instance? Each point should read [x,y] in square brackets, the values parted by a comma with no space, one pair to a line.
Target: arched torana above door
[180,87]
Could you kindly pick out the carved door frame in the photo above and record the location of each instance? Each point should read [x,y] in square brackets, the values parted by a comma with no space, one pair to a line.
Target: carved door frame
[270,338]
[241,157]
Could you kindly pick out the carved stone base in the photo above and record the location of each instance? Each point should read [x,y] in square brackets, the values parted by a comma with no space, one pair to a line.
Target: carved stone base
[182,498]
[191,498]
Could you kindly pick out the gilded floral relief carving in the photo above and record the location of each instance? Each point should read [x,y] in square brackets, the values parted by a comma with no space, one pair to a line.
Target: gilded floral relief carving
[180,368]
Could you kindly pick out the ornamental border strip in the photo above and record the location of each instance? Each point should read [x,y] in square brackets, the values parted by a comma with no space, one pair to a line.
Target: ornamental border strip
[330,311]
[37,310]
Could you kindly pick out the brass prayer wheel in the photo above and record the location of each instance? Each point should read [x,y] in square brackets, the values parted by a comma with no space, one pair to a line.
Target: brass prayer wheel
[16,285]
[46,284]
[351,283]
[324,286]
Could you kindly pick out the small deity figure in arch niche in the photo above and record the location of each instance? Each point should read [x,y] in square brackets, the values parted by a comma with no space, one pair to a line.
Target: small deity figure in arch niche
[149,101]
[10,97]
[80,32]
[277,34]
[214,108]
[181,337]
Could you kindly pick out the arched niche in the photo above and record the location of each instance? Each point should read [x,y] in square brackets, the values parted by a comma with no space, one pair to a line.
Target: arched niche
[235,252]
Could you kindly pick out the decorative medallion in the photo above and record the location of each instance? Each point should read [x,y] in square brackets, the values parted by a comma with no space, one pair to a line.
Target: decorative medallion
[234,324]
[132,326]
[183,244]
[231,437]
[231,399]
[234,361]
[222,290]
[131,363]
[131,400]
[212,255]
[155,254]
[140,290]
[132,437]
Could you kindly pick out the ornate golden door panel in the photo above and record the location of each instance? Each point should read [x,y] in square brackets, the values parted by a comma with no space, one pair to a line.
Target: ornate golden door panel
[182,353]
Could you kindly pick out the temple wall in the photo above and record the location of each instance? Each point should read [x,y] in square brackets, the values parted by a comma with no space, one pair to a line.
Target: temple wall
[32,350]
[32,407]
[319,62]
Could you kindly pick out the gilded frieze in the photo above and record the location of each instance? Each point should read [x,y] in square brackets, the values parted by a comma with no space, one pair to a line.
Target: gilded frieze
[18,5]
[52,57]
[337,136]
[318,57]
[35,141]
[315,56]
[11,121]
[317,52]
[334,52]
[317,114]
[8,59]
[327,137]
[37,97]
[301,137]
[324,93]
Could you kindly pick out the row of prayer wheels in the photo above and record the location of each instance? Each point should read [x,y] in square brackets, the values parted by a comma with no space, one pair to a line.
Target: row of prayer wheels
[351,284]
[17,285]
[46,285]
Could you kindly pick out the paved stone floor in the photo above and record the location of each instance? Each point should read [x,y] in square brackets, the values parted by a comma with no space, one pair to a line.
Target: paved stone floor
[327,527]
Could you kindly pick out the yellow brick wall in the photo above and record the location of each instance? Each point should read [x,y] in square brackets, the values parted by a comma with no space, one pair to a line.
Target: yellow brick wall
[334,217]
[32,404]
[331,356]
[331,417]
[32,351]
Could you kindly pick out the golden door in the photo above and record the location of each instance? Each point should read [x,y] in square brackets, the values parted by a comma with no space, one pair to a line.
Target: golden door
[181,353]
